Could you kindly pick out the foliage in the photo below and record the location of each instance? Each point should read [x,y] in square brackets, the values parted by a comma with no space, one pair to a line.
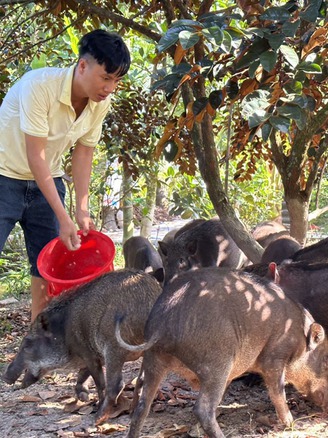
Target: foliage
[266,60]
[14,269]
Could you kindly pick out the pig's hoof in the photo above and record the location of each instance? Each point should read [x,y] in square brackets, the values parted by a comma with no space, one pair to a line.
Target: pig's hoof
[83,396]
[113,411]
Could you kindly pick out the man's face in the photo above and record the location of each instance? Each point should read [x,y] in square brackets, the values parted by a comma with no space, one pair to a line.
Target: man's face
[96,83]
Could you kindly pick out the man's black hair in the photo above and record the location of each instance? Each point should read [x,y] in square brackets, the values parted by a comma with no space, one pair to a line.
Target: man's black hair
[106,48]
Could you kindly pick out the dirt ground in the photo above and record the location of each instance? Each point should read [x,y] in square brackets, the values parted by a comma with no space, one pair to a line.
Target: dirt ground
[49,408]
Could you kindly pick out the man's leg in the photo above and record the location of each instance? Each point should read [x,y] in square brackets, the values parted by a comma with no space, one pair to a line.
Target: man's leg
[40,298]
[40,225]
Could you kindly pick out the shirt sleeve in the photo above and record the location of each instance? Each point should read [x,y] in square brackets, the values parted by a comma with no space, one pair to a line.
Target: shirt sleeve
[33,105]
[91,137]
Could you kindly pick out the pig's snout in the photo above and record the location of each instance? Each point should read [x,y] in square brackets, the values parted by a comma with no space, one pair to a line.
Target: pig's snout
[11,374]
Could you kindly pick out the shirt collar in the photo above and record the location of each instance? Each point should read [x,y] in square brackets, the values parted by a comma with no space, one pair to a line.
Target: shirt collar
[66,92]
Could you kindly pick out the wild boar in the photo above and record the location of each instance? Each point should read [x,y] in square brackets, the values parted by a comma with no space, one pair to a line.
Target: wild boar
[206,244]
[317,252]
[140,253]
[268,231]
[77,331]
[221,324]
[280,249]
[306,283]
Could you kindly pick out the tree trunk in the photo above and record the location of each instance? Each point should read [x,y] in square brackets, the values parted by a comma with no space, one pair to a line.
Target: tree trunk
[127,206]
[148,218]
[298,211]
[206,153]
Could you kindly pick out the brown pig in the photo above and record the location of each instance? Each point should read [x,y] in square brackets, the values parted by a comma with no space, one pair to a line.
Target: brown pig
[306,283]
[221,324]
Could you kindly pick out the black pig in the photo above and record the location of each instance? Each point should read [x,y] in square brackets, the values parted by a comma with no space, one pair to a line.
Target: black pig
[203,245]
[139,253]
[77,330]
[220,324]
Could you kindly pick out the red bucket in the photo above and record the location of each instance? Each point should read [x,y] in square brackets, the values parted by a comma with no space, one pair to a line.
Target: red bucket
[64,269]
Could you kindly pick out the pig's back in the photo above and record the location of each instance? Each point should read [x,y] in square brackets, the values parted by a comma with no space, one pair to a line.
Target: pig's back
[215,311]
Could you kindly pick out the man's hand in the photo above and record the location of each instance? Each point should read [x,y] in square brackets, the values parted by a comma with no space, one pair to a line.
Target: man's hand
[68,234]
[84,221]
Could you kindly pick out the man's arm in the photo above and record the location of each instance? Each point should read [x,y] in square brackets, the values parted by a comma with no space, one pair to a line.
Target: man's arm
[81,171]
[35,149]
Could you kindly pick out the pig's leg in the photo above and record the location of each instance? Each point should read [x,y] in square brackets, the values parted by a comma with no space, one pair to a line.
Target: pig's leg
[81,387]
[114,402]
[155,366]
[275,382]
[96,371]
[212,387]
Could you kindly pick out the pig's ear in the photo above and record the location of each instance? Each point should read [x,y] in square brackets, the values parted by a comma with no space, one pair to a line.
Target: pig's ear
[158,274]
[273,273]
[163,247]
[316,336]
[44,322]
[192,247]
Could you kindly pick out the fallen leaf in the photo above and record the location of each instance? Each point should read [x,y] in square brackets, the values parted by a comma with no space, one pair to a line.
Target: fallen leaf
[107,428]
[158,407]
[177,430]
[86,410]
[73,406]
[66,434]
[45,395]
[29,398]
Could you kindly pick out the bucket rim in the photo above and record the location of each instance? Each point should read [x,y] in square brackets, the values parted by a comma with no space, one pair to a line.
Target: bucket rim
[50,246]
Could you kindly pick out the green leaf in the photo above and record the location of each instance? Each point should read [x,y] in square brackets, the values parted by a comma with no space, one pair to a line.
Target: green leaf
[295,87]
[169,83]
[171,37]
[257,118]
[186,22]
[276,40]
[290,55]
[259,46]
[276,14]
[290,111]
[290,28]
[295,99]
[188,39]
[227,42]
[213,33]
[268,60]
[280,123]
[309,67]
[39,62]
[253,67]
[301,122]
[170,171]
[213,19]
[254,102]
[266,131]
[311,13]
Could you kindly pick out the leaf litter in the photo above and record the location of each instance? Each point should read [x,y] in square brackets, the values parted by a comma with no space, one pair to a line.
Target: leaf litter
[49,408]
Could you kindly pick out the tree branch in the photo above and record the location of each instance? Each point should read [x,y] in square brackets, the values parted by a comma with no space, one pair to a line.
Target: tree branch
[106,13]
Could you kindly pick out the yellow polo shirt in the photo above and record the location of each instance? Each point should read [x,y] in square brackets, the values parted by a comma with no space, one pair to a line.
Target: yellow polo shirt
[39,104]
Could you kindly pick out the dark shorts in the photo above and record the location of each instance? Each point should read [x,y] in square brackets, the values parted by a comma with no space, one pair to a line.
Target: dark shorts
[21,201]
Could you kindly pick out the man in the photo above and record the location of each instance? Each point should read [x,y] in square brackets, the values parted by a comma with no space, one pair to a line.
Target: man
[43,115]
